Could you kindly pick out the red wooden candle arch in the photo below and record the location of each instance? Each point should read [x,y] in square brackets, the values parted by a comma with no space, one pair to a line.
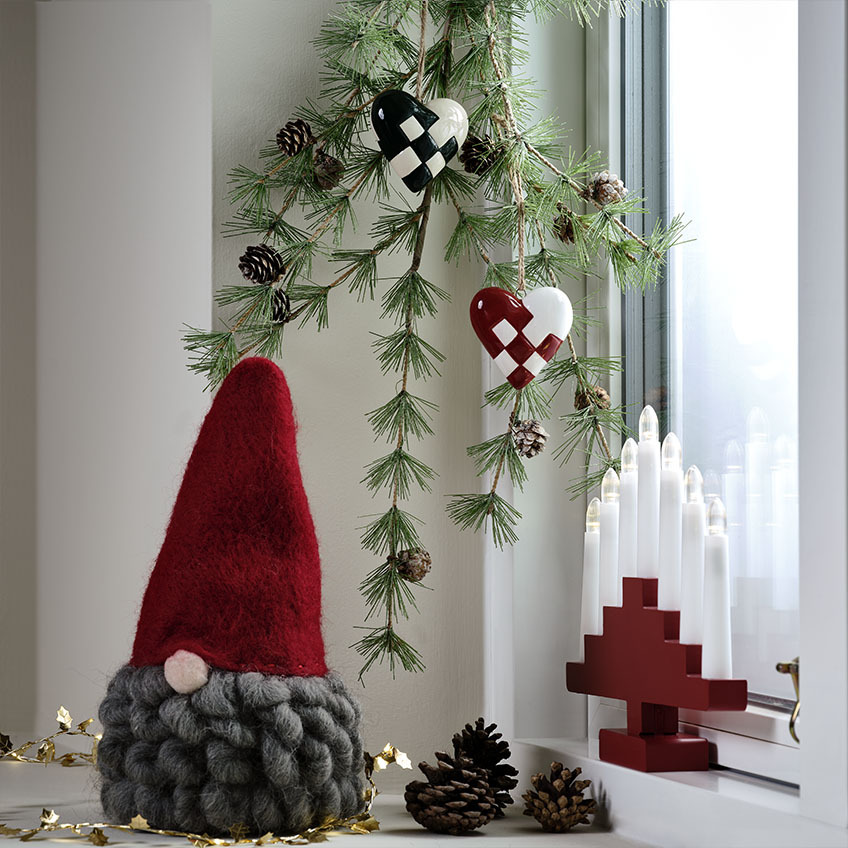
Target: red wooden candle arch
[640,659]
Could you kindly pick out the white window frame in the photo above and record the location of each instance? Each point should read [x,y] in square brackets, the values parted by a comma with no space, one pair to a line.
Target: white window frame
[696,809]
[747,740]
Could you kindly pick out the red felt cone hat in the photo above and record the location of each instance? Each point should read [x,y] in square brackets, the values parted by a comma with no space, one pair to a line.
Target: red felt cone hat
[238,579]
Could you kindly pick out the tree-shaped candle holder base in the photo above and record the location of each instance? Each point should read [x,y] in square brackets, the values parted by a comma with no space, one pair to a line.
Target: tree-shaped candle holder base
[640,659]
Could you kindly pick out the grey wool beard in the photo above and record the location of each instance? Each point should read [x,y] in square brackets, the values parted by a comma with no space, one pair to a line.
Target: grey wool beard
[277,754]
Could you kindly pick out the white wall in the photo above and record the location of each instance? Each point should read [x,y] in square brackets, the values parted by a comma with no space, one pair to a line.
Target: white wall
[17,363]
[123,222]
[550,553]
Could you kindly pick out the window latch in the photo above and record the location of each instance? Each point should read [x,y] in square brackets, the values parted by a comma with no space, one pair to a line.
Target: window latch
[793,668]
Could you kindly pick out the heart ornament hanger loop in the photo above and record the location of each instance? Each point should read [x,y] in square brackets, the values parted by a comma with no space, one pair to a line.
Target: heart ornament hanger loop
[417,139]
[522,336]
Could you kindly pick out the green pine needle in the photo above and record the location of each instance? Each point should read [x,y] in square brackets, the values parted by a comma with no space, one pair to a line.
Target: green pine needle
[382,644]
[404,412]
[397,471]
[392,531]
[474,512]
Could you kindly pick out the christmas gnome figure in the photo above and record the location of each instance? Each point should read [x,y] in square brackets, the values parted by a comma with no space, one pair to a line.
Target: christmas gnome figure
[226,713]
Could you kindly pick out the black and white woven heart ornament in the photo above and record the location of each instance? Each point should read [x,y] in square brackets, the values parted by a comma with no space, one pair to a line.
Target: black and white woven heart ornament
[417,139]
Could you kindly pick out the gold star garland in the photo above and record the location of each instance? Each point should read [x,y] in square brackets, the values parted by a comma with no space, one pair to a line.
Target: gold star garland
[95,832]
[46,748]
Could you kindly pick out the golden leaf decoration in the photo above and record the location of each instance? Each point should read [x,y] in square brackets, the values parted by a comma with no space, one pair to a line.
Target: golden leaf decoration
[10,831]
[402,760]
[64,718]
[139,823]
[46,751]
[67,760]
[316,836]
[97,837]
[238,831]
[367,825]
[266,838]
[48,817]
[84,724]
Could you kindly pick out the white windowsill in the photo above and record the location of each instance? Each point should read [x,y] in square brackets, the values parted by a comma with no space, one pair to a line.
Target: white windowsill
[72,792]
[686,809]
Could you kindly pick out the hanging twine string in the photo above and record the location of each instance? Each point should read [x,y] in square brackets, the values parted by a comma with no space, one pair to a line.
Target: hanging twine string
[419,81]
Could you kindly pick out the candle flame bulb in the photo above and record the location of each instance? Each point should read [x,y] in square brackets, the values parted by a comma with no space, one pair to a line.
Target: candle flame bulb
[610,490]
[716,518]
[733,456]
[593,516]
[649,426]
[694,485]
[757,426]
[629,456]
[672,453]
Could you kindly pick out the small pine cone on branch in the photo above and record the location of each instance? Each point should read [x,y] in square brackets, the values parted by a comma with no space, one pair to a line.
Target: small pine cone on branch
[455,799]
[558,804]
[605,188]
[327,169]
[414,564]
[488,750]
[294,137]
[260,263]
[281,308]
[564,227]
[478,154]
[530,437]
[591,396]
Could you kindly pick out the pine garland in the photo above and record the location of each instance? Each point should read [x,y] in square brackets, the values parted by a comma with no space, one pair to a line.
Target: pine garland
[533,187]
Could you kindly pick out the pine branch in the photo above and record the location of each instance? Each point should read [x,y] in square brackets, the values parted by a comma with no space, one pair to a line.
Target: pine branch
[385,590]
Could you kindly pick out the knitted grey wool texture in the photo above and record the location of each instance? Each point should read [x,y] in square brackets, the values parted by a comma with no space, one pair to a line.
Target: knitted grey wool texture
[277,754]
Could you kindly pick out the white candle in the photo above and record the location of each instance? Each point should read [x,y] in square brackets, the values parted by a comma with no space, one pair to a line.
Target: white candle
[716,661]
[589,621]
[610,584]
[648,517]
[756,494]
[628,484]
[692,559]
[671,523]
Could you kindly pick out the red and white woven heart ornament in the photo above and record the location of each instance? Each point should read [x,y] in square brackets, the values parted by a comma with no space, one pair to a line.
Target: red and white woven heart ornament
[522,336]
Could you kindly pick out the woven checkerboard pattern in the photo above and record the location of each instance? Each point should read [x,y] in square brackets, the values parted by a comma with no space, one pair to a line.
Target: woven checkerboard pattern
[415,140]
[521,347]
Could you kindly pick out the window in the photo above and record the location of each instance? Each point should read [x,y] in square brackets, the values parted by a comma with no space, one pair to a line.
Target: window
[711,129]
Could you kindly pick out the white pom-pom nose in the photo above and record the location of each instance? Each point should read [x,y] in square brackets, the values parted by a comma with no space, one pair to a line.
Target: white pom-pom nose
[186,672]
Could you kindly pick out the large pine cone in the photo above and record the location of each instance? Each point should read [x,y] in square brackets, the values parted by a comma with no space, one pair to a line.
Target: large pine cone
[294,137]
[260,263]
[456,798]
[558,803]
[478,154]
[605,188]
[488,750]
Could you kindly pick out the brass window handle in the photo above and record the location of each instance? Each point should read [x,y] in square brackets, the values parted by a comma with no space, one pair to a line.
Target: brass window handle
[793,668]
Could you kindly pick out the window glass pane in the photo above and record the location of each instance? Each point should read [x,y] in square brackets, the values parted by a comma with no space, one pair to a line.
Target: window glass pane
[733,364]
